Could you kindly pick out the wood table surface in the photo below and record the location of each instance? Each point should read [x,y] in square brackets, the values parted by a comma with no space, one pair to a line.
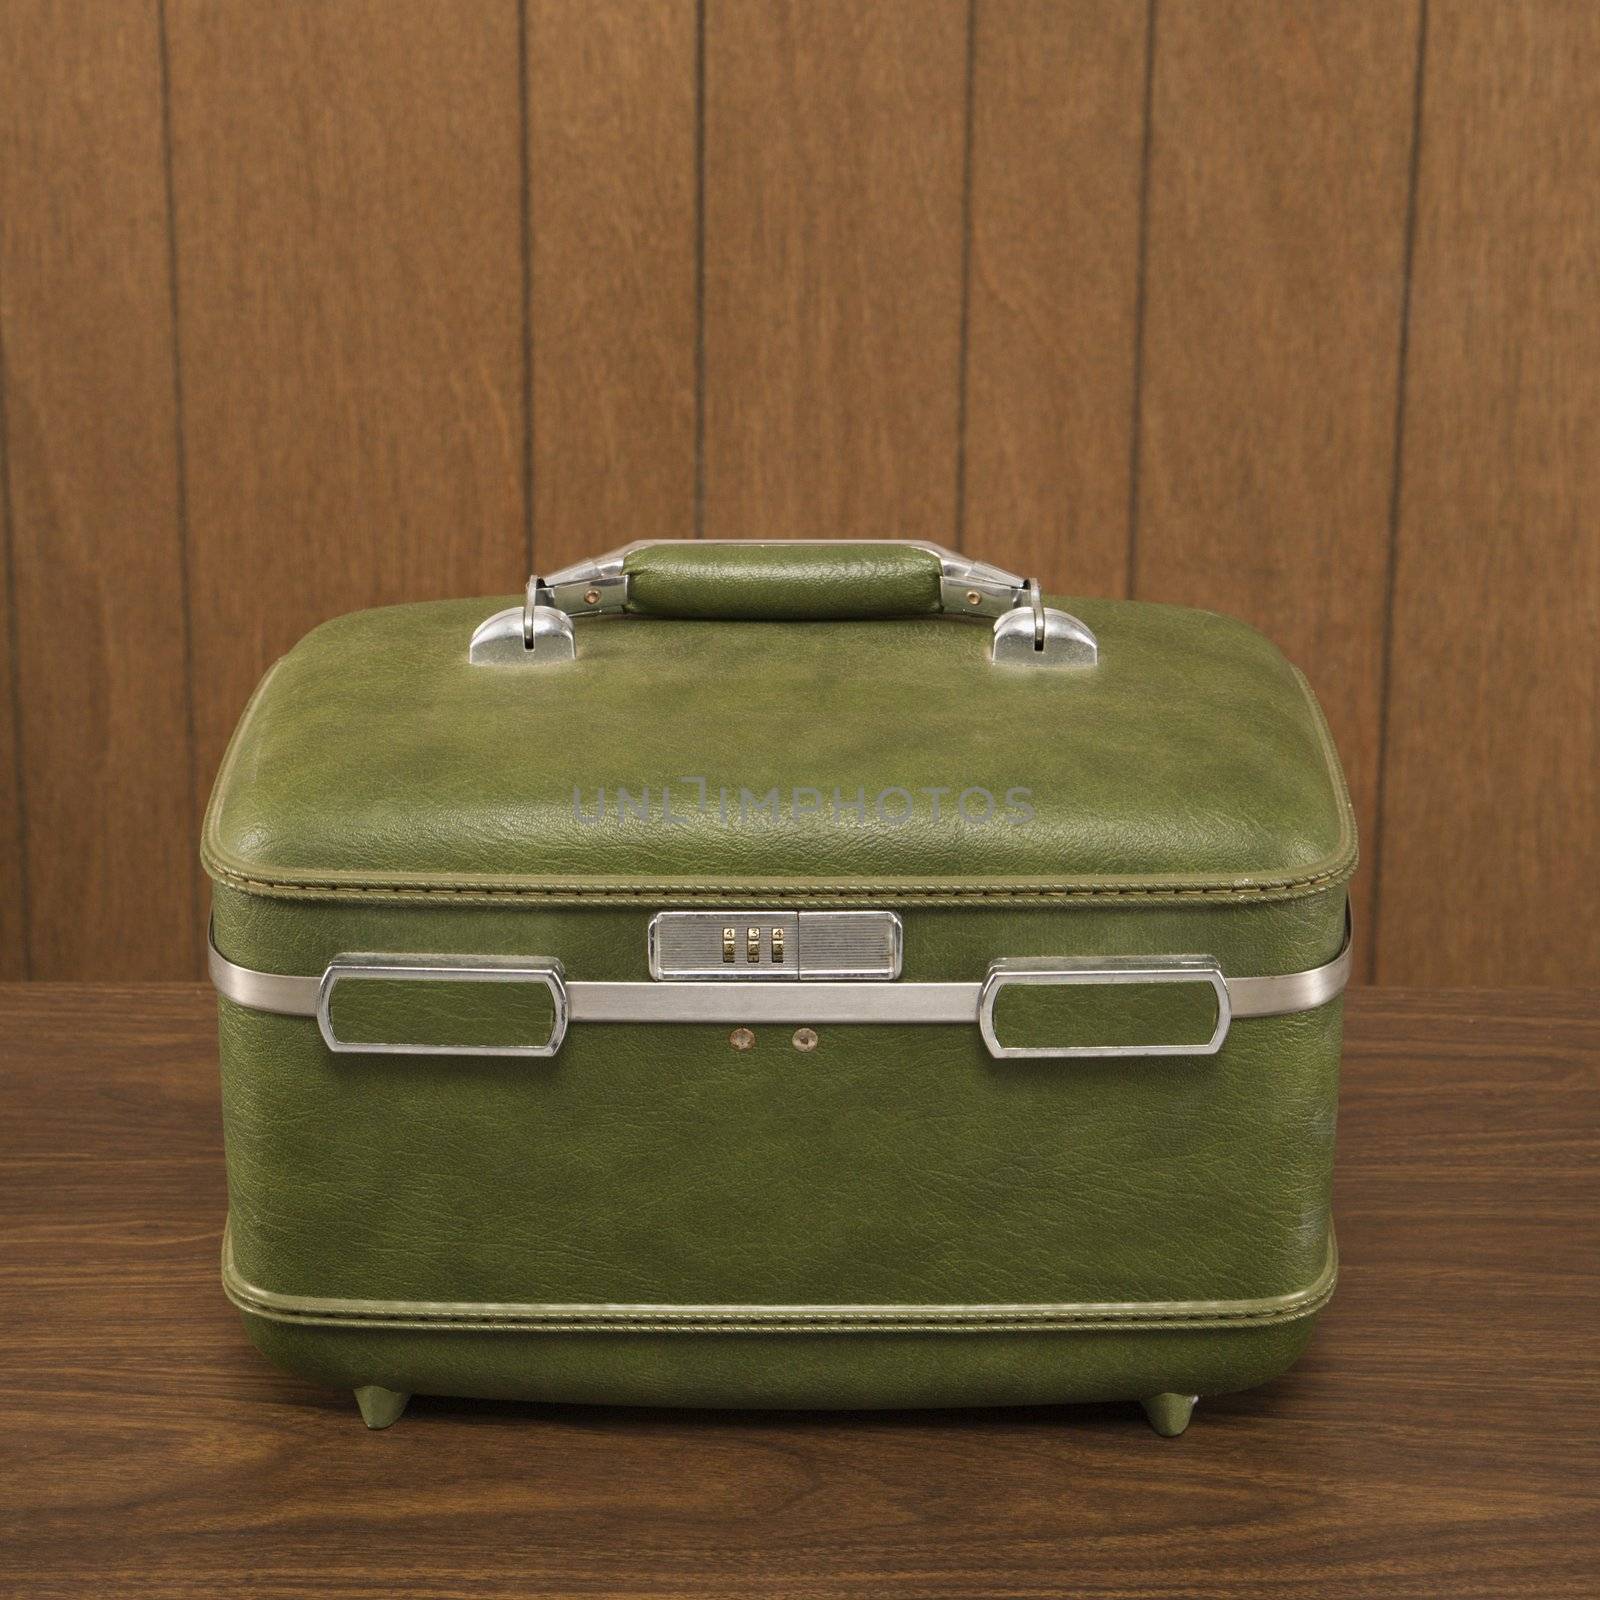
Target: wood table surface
[1438,1439]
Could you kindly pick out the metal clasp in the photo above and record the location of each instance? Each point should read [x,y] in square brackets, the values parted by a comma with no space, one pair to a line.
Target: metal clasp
[534,632]
[1032,634]
[756,946]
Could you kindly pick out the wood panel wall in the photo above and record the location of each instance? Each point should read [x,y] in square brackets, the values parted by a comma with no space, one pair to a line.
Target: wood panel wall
[1287,309]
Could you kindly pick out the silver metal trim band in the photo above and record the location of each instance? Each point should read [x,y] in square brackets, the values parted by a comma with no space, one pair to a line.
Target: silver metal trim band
[583,1000]
[545,1317]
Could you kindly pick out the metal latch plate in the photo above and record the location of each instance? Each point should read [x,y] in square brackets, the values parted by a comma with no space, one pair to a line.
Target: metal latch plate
[743,946]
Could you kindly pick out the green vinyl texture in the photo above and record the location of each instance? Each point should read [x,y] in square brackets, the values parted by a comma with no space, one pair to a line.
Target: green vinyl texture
[812,1371]
[782,582]
[382,795]
[840,758]
[656,1164]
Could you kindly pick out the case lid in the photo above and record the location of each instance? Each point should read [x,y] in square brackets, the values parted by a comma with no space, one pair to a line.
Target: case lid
[837,758]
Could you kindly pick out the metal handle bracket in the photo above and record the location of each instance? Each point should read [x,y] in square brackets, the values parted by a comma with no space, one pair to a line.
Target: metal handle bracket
[539,632]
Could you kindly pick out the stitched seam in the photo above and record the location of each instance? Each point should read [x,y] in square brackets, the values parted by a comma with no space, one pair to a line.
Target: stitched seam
[1082,1326]
[319,890]
[786,1324]
[1197,1314]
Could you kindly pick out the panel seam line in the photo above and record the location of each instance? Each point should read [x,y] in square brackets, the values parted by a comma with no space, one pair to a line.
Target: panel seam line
[557,1317]
[1396,491]
[180,462]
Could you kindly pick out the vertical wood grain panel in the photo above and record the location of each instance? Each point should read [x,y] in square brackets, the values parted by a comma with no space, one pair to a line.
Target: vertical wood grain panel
[348,205]
[906,219]
[834,141]
[97,554]
[13,867]
[1279,186]
[1491,845]
[1058,113]
[612,106]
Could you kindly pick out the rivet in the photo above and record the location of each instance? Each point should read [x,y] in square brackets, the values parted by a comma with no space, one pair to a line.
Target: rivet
[805,1038]
[591,597]
[974,598]
[741,1038]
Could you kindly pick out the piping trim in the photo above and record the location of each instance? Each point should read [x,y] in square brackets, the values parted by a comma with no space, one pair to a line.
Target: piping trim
[514,1317]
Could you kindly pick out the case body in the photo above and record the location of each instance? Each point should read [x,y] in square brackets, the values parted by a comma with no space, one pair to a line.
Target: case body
[888,1213]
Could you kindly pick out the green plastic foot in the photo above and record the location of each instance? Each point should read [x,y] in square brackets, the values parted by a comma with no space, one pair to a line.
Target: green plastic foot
[1169,1413]
[380,1408]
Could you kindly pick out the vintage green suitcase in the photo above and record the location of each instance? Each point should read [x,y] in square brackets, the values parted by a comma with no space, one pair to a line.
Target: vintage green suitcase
[738,977]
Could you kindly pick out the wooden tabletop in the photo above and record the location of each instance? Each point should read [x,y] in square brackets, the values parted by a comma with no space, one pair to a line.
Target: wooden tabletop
[1440,1437]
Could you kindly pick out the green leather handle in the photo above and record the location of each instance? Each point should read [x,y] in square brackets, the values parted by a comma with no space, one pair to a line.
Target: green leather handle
[783,580]
[750,582]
